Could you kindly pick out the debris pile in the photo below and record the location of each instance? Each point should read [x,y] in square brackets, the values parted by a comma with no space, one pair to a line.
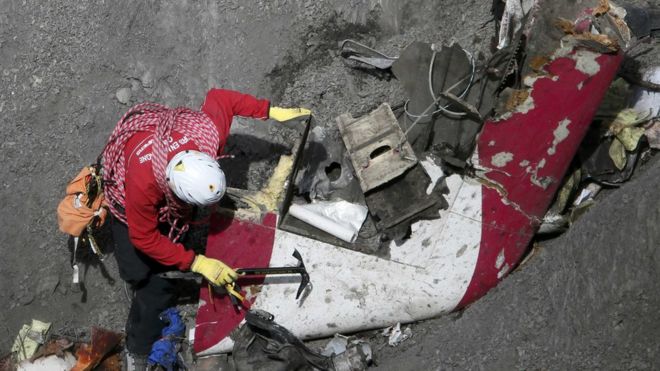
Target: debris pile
[624,133]
[262,344]
[450,93]
[35,348]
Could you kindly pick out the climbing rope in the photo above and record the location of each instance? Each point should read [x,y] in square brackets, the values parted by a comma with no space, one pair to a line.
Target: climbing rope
[160,121]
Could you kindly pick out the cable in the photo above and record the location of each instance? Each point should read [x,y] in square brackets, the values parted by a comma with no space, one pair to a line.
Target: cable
[465,91]
[424,113]
[404,138]
[436,99]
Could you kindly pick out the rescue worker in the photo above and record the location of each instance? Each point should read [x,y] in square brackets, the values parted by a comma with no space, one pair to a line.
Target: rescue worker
[158,163]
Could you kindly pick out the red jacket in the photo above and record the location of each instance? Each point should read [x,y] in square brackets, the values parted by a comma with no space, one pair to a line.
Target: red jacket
[144,197]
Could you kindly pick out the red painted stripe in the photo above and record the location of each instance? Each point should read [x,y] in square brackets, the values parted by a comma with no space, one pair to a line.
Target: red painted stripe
[240,244]
[571,95]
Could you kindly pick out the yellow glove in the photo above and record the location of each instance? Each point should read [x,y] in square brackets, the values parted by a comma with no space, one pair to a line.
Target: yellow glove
[215,271]
[286,114]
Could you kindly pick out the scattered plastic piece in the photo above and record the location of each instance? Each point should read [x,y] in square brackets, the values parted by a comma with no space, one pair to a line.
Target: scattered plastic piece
[341,219]
[624,127]
[553,223]
[50,363]
[396,336]
[434,172]
[348,352]
[587,193]
[29,338]
[584,201]
[645,100]
[358,356]
[336,346]
[627,135]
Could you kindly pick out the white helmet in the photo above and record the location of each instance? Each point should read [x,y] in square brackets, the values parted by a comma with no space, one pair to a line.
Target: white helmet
[196,178]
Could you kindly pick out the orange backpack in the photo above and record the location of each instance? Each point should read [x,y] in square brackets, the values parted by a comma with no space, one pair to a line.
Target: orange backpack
[83,210]
[84,203]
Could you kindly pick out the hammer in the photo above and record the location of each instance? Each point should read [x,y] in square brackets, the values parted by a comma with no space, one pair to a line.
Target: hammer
[233,289]
[300,269]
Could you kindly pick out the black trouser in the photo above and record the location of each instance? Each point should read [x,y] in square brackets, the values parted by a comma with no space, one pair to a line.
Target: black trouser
[152,294]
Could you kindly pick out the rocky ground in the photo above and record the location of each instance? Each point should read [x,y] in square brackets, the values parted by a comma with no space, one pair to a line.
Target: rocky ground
[69,70]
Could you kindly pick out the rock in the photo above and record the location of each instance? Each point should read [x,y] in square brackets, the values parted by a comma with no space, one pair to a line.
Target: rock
[123,95]
[26,298]
[147,79]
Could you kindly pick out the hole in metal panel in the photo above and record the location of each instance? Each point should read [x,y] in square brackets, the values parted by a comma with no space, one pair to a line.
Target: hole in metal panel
[333,171]
[379,151]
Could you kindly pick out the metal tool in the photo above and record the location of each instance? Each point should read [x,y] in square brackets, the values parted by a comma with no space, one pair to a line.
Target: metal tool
[300,269]
[233,290]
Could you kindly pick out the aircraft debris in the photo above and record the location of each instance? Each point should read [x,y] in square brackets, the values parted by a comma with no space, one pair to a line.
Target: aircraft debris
[29,338]
[41,351]
[377,147]
[341,219]
[648,100]
[498,135]
[102,350]
[395,335]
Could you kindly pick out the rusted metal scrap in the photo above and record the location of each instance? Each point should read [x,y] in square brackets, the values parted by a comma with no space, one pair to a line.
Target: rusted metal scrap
[377,146]
[91,355]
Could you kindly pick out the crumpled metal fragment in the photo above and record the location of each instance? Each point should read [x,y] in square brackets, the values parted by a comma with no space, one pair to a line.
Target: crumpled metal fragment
[90,355]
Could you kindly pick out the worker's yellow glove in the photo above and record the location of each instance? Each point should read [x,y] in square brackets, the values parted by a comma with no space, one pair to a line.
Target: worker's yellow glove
[286,114]
[215,271]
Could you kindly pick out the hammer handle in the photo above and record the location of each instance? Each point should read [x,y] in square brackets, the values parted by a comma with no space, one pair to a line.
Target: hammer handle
[271,270]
